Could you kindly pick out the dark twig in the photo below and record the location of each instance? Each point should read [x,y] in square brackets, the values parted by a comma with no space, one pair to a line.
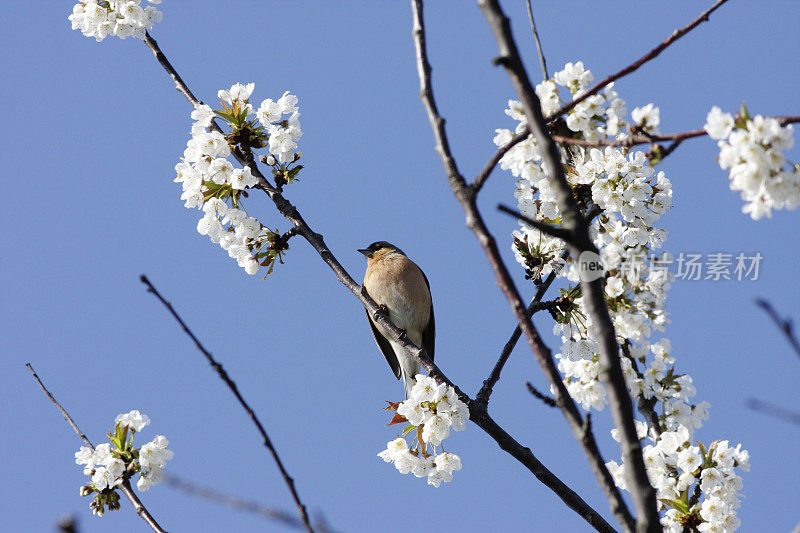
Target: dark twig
[234,502]
[541,289]
[235,390]
[478,413]
[645,406]
[126,489]
[535,306]
[784,324]
[650,139]
[547,400]
[542,62]
[677,34]
[481,178]
[467,198]
[652,54]
[774,410]
[549,229]
[619,399]
[630,141]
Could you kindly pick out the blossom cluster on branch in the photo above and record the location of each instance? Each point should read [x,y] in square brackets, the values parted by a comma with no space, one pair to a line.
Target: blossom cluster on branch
[122,18]
[696,485]
[752,150]
[430,412]
[110,466]
[212,183]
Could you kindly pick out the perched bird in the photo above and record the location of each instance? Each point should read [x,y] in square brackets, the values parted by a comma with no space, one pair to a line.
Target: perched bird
[395,282]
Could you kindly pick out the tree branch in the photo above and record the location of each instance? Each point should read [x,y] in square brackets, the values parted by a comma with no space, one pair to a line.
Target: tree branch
[644,405]
[651,139]
[773,410]
[467,198]
[784,324]
[534,307]
[542,62]
[126,489]
[549,229]
[301,508]
[644,496]
[239,504]
[652,54]
[547,400]
[677,34]
[483,175]
[478,413]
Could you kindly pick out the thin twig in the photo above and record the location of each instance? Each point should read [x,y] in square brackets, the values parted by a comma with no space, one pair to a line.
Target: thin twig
[645,406]
[486,389]
[651,139]
[235,390]
[630,141]
[542,62]
[478,413]
[619,399]
[784,324]
[483,175]
[547,400]
[549,229]
[467,198]
[535,306]
[652,54]
[774,410]
[126,489]
[240,504]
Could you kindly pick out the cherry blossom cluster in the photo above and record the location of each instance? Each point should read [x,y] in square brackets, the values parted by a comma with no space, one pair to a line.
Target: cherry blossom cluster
[122,18]
[678,469]
[213,184]
[111,463]
[751,149]
[627,197]
[431,412]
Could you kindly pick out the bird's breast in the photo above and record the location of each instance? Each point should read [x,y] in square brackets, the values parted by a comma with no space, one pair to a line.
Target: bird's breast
[396,282]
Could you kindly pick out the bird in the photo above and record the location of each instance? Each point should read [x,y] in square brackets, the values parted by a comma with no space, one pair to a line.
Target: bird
[400,287]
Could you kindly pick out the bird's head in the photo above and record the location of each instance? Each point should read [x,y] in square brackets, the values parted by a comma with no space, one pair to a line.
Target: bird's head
[376,250]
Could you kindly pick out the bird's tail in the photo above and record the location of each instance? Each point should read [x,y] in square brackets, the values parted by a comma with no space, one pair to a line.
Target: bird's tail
[408,383]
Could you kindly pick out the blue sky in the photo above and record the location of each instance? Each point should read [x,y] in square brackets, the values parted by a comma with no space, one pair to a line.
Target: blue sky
[93,132]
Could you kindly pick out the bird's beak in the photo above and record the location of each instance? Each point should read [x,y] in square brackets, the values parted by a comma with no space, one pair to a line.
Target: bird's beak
[366,251]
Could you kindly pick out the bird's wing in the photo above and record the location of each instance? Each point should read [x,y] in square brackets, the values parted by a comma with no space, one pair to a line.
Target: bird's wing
[429,333]
[385,346]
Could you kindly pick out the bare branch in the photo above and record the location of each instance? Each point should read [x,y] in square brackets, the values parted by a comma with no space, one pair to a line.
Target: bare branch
[784,324]
[630,141]
[645,406]
[467,198]
[549,229]
[650,139]
[126,489]
[652,54]
[234,502]
[235,390]
[774,410]
[534,307]
[481,178]
[542,62]
[644,496]
[547,400]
